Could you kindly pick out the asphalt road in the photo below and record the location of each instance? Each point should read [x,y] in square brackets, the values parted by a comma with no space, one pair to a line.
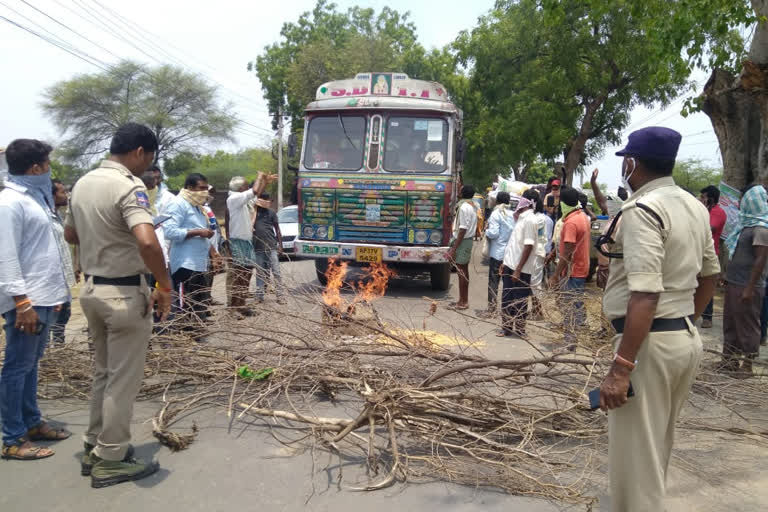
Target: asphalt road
[239,466]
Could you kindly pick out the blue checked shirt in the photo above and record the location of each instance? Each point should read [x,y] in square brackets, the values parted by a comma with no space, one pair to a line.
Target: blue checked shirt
[186,253]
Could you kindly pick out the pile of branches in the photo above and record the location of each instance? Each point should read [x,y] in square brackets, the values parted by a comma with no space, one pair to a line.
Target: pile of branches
[406,408]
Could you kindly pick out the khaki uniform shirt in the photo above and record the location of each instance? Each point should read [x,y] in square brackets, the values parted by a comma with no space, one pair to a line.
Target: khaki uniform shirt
[664,255]
[106,204]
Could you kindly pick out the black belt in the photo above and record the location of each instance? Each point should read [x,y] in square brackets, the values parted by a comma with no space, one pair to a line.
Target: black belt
[658,325]
[117,281]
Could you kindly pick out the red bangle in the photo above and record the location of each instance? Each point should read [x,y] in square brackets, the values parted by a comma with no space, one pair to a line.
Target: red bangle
[166,290]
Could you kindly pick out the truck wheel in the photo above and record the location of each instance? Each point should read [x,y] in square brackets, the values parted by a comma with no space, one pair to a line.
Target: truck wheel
[321,267]
[440,275]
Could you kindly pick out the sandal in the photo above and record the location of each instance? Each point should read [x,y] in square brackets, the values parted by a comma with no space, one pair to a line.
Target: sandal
[458,307]
[23,449]
[45,432]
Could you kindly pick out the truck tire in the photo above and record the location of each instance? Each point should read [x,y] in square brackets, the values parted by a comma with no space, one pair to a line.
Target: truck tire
[440,276]
[321,267]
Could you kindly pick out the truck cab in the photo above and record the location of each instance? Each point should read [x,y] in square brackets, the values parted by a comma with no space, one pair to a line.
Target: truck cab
[377,182]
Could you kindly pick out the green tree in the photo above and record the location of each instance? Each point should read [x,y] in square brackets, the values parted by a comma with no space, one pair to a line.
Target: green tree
[66,173]
[182,109]
[560,77]
[326,44]
[181,164]
[693,175]
[221,166]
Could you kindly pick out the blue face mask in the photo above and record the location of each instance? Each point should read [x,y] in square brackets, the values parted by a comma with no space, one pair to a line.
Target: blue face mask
[39,186]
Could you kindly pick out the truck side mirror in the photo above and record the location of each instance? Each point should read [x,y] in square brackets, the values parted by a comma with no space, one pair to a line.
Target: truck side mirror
[461,150]
[292,145]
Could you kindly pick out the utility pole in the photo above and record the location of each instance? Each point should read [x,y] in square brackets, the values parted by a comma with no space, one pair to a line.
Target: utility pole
[280,159]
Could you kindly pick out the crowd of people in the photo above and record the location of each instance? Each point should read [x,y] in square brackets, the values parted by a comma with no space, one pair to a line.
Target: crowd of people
[658,265]
[141,254]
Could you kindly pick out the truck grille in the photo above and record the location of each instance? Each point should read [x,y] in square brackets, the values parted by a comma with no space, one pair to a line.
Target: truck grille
[369,234]
[425,211]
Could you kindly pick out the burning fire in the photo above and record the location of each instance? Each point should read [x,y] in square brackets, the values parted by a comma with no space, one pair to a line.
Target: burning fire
[377,286]
[374,287]
[335,276]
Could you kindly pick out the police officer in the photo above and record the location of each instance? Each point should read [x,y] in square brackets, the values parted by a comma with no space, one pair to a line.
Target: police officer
[110,219]
[662,275]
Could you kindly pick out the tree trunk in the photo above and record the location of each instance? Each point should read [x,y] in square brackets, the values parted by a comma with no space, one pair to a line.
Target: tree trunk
[577,144]
[737,107]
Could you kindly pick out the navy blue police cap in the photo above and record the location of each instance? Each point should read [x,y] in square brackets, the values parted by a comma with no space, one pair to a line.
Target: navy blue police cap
[654,142]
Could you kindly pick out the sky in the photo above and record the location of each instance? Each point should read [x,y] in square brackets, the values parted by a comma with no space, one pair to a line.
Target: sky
[217,43]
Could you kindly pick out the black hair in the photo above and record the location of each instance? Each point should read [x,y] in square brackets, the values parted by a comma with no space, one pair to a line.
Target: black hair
[502,198]
[539,205]
[569,196]
[193,179]
[132,136]
[531,195]
[21,154]
[149,180]
[583,199]
[661,166]
[622,193]
[467,192]
[711,192]
[156,168]
[55,182]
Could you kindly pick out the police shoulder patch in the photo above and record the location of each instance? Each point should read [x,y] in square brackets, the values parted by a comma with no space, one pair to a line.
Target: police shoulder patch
[142,199]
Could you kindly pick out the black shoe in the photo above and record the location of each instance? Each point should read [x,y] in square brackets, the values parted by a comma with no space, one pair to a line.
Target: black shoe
[106,472]
[86,463]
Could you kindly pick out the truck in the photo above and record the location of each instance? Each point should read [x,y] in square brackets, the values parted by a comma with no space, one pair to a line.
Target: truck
[380,165]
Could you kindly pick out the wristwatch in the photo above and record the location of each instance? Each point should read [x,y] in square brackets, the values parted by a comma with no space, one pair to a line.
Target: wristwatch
[626,363]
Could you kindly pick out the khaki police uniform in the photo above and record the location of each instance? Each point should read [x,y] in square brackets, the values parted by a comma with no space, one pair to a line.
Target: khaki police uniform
[106,204]
[666,243]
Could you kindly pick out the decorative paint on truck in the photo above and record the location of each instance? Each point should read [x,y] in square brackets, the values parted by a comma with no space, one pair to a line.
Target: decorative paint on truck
[378,173]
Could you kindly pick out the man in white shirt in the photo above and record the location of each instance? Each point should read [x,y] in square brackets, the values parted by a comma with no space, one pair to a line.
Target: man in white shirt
[239,227]
[464,227]
[519,266]
[32,284]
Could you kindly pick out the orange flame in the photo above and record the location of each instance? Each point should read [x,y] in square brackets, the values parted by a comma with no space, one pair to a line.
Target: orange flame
[335,276]
[374,287]
[377,286]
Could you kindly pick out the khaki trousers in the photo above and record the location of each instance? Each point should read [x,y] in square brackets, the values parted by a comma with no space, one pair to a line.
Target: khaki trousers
[641,433]
[120,329]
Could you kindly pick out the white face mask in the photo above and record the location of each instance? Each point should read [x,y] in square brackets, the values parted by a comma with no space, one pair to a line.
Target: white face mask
[625,176]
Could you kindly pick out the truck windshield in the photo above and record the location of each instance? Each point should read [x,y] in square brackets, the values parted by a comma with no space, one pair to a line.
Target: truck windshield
[335,142]
[416,144]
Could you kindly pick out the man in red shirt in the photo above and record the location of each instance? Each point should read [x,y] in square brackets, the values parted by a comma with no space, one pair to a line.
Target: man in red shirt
[710,197]
[573,267]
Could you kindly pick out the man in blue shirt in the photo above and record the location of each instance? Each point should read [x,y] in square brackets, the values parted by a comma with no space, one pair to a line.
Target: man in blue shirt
[189,232]
[500,226]
[32,283]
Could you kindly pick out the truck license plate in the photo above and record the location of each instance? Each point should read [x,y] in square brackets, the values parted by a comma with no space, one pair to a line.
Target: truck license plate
[369,254]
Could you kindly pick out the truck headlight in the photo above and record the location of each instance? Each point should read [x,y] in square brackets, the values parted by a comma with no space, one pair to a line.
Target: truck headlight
[436,237]
[308,232]
[322,231]
[421,237]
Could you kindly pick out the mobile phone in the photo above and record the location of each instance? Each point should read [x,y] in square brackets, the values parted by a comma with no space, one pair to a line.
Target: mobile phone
[594,396]
[39,328]
[550,202]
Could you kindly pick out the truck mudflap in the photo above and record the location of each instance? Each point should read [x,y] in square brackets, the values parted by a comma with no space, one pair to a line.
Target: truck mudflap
[369,253]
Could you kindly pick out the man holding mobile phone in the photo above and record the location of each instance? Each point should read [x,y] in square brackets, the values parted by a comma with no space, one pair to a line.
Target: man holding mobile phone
[662,275]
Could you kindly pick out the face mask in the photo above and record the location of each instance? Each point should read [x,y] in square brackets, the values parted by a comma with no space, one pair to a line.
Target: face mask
[194,197]
[626,177]
[566,209]
[38,185]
